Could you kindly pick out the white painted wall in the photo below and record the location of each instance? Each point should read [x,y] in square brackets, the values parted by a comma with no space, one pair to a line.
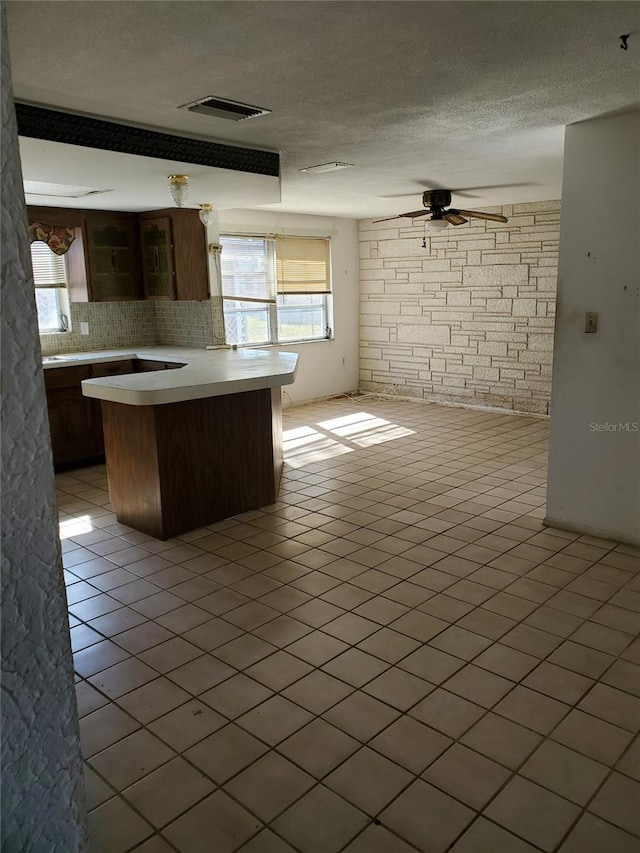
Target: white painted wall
[594,469]
[324,367]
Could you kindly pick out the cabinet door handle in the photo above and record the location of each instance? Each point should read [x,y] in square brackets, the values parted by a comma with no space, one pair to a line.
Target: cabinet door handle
[156,260]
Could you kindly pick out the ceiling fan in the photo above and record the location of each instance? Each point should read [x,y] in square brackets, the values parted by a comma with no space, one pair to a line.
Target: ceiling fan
[436,203]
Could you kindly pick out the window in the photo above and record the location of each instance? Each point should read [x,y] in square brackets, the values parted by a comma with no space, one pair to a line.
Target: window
[50,278]
[275,289]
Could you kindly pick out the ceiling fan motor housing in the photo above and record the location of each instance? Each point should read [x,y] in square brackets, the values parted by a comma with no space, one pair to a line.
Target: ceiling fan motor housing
[436,198]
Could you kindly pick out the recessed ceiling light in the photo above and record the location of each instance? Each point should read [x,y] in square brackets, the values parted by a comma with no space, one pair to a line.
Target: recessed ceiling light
[59,190]
[327,167]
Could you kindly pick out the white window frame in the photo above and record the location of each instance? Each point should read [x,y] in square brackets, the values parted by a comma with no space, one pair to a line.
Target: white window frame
[54,277]
[271,306]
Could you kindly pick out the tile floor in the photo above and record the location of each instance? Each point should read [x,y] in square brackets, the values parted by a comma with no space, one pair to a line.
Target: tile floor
[395,657]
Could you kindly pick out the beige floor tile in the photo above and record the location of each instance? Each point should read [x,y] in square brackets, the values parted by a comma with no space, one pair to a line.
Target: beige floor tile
[269,786]
[478,685]
[410,744]
[183,618]
[558,683]
[321,822]
[521,803]
[592,737]
[502,740]
[593,835]
[460,643]
[419,576]
[317,648]
[187,724]
[274,720]
[167,792]
[398,688]
[614,706]
[88,699]
[426,817]
[368,781]
[318,747]
[617,802]
[142,637]
[467,776]
[152,700]
[104,727]
[317,692]
[170,654]
[564,771]
[388,645]
[377,839]
[201,674]
[507,662]
[361,716]
[96,789]
[115,828]
[216,823]
[486,837]
[225,753]
[131,758]
[266,842]
[447,713]
[236,695]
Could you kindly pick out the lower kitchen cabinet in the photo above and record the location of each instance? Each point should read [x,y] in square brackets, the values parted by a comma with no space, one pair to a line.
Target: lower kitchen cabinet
[72,418]
[75,421]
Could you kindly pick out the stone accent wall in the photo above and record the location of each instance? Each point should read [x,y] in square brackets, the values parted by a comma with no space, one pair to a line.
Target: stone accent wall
[470,318]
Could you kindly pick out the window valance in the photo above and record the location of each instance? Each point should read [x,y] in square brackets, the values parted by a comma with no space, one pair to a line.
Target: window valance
[57,237]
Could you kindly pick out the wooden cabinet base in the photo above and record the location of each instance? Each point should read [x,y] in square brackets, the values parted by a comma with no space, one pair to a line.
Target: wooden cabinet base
[179,466]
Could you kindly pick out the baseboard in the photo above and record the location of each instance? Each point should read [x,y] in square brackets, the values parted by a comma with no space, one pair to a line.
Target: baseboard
[587,530]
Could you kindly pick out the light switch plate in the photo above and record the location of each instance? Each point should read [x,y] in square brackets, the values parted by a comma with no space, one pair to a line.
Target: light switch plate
[84,328]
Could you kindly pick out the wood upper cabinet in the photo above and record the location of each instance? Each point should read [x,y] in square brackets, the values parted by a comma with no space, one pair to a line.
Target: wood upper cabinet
[157,258]
[112,243]
[174,249]
[119,256]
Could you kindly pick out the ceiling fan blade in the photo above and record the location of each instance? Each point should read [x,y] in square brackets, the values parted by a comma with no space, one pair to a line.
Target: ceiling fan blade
[478,214]
[453,217]
[412,213]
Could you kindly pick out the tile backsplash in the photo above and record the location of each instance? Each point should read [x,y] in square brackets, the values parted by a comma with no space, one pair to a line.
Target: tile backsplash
[125,324]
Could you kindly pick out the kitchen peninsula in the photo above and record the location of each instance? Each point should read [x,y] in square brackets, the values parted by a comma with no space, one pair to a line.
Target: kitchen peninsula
[190,446]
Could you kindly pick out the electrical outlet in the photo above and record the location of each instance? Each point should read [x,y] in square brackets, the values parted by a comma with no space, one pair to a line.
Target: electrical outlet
[84,328]
[590,323]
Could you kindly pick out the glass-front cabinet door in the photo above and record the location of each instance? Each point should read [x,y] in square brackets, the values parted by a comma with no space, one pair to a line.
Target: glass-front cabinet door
[114,269]
[157,258]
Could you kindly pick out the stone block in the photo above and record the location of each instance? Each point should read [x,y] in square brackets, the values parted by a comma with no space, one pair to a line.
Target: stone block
[424,334]
[406,247]
[458,297]
[495,275]
[499,306]
[492,348]
[374,333]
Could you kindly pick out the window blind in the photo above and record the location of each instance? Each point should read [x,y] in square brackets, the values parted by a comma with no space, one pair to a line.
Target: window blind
[49,269]
[302,265]
[247,269]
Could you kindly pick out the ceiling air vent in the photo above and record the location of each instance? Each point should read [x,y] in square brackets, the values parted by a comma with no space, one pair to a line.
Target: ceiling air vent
[220,108]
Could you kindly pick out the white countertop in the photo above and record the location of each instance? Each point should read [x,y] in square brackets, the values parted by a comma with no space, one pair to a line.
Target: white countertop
[207,373]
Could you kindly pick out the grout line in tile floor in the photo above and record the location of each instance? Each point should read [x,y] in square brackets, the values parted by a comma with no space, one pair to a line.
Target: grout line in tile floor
[374,477]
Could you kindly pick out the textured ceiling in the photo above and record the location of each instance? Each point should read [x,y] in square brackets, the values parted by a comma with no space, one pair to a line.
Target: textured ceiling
[414,94]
